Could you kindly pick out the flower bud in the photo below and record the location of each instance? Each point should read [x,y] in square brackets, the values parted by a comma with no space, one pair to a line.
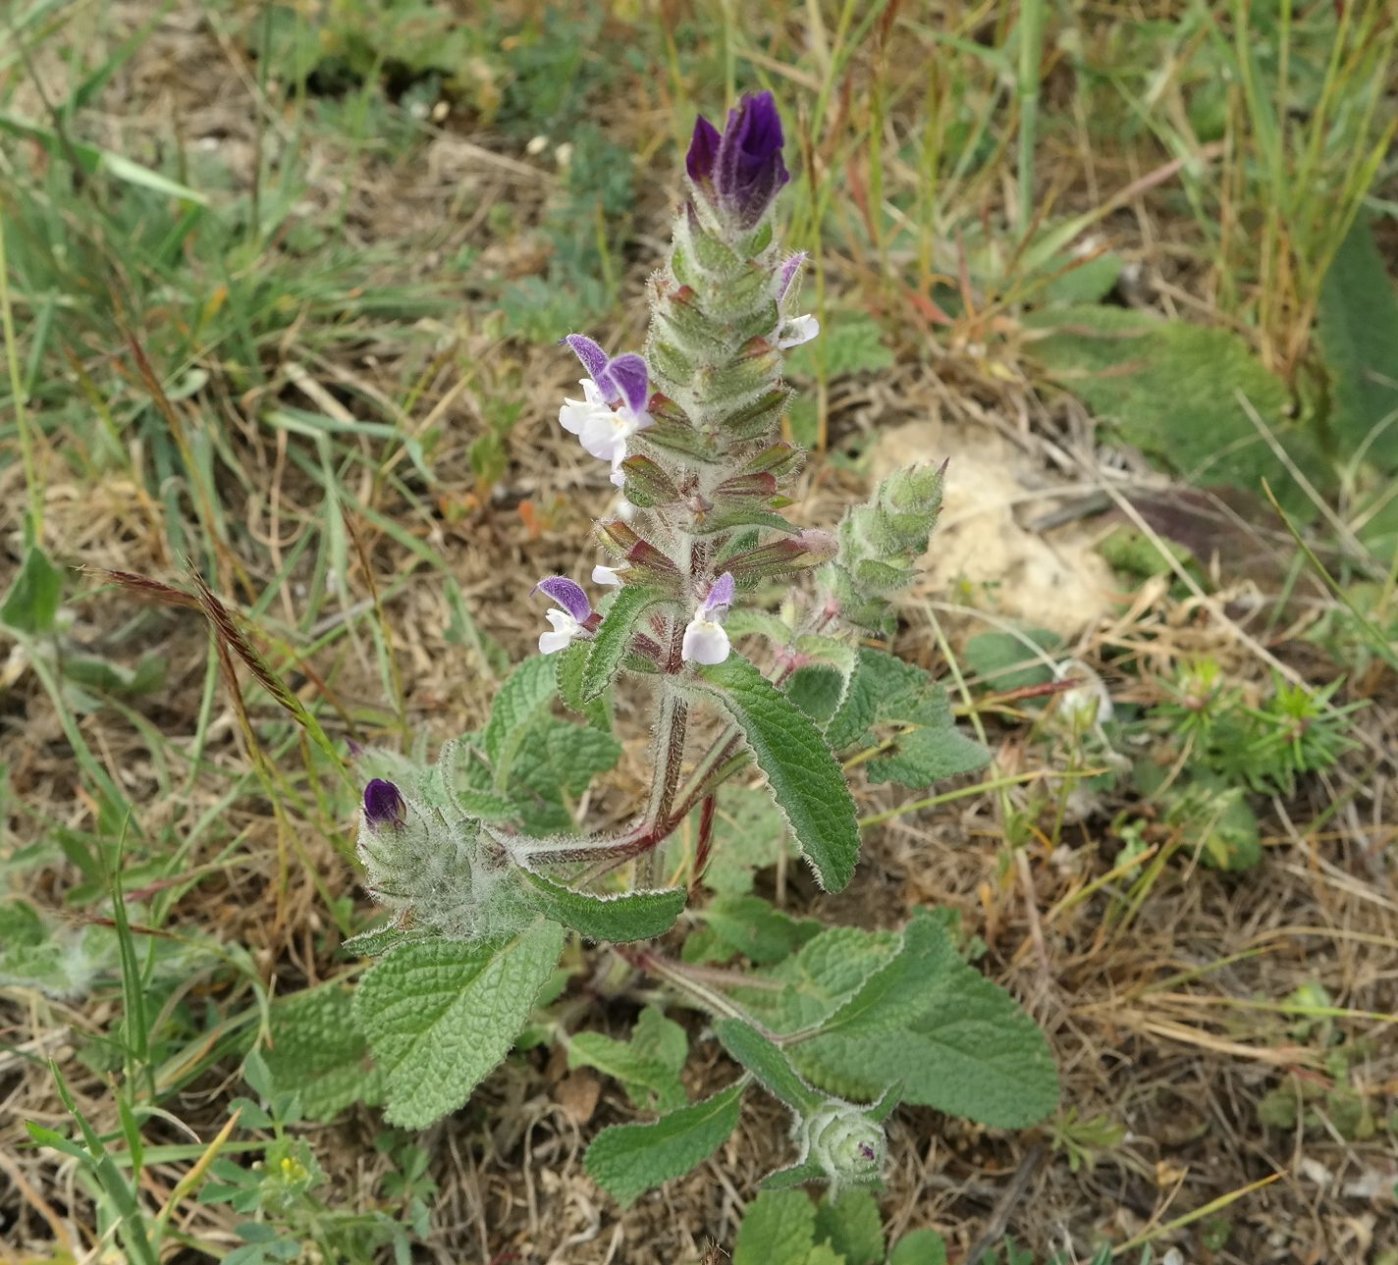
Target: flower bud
[742,168]
[383,804]
[845,1142]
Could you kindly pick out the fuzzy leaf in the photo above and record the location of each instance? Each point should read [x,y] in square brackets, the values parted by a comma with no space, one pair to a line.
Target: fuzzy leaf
[752,835]
[925,747]
[571,663]
[802,774]
[817,690]
[613,638]
[921,1247]
[1357,327]
[630,916]
[771,1068]
[752,927]
[565,757]
[648,1065]
[947,1036]
[1172,389]
[629,1159]
[521,699]
[929,752]
[881,685]
[32,602]
[318,1050]
[819,978]
[778,1229]
[439,1015]
[852,1226]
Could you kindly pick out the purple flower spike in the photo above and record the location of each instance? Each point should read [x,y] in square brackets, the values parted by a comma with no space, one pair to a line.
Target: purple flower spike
[384,804]
[748,169]
[703,150]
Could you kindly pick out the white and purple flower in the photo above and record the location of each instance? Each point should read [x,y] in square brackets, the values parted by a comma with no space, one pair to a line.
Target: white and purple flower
[613,407]
[705,640]
[570,621]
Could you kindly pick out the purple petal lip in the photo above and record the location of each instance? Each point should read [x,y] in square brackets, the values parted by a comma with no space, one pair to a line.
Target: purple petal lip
[703,150]
[383,804]
[568,594]
[720,595]
[630,378]
[790,270]
[593,358]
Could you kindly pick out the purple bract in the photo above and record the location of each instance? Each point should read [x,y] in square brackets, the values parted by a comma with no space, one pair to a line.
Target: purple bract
[743,167]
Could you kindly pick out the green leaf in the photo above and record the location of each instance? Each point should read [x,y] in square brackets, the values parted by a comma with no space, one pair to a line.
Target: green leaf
[571,663]
[802,774]
[768,1064]
[648,1065]
[778,1229]
[752,927]
[921,1247]
[319,1051]
[629,1159]
[932,749]
[565,757]
[819,978]
[794,1176]
[1172,389]
[852,1226]
[1005,661]
[882,685]
[620,918]
[523,697]
[1357,328]
[608,648]
[817,690]
[925,747]
[942,1032]
[751,835]
[32,602]
[91,158]
[854,345]
[439,1015]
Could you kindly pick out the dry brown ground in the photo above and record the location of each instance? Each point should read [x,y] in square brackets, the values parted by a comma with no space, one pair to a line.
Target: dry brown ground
[1160,1022]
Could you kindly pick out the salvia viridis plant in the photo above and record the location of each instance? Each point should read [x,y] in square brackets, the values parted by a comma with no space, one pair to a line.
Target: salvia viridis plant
[748,642]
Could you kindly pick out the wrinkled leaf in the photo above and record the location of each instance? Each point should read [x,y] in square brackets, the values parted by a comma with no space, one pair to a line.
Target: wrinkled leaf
[802,774]
[629,1159]
[439,1015]
[637,915]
